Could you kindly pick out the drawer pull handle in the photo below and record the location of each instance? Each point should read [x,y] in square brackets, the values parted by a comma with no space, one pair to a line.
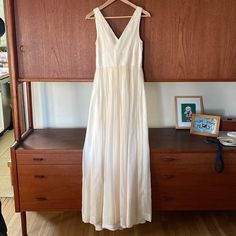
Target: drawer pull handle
[168,176]
[38,159]
[39,176]
[169,159]
[41,199]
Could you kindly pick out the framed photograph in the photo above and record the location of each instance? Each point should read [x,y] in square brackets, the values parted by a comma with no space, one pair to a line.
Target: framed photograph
[206,125]
[184,108]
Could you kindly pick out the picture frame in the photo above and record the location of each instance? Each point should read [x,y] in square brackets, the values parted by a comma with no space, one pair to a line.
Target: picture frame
[185,106]
[205,125]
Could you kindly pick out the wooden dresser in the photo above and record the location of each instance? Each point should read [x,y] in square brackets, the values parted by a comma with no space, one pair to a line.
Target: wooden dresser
[183,174]
[48,171]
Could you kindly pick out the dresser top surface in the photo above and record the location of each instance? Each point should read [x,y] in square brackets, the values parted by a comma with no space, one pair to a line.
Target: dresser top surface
[160,140]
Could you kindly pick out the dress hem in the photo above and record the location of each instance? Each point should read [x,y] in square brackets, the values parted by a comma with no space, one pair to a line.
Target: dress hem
[113,227]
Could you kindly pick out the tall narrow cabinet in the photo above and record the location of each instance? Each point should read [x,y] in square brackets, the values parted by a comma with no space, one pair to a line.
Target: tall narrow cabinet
[49,41]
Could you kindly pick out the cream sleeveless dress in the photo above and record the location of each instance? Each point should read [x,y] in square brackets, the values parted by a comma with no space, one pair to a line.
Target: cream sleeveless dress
[116,169]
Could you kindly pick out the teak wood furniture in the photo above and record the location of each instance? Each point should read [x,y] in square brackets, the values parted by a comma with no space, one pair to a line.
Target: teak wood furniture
[183,41]
[47,169]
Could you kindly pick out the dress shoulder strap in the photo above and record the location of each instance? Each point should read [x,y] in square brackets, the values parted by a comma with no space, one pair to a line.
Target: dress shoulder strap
[99,22]
[136,21]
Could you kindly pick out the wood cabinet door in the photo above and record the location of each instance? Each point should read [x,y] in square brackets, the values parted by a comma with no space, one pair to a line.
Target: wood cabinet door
[190,40]
[54,41]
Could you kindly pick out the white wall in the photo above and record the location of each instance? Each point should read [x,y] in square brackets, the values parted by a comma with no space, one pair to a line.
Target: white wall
[67,104]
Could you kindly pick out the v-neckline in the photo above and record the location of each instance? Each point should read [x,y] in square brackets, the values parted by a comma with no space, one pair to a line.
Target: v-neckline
[126,27]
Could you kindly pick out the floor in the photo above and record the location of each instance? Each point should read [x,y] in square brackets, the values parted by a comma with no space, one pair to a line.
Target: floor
[163,224]
[5,180]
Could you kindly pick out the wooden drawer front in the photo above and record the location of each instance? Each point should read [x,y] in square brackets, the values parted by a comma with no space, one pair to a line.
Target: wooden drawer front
[199,166]
[50,187]
[49,158]
[177,159]
[202,198]
[189,182]
[190,163]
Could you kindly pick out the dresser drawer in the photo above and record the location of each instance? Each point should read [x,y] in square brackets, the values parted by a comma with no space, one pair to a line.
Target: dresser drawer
[186,198]
[47,158]
[177,159]
[50,187]
[188,181]
[193,170]
[194,180]
[190,163]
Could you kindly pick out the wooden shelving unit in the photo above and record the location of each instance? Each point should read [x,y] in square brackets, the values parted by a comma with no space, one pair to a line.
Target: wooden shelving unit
[47,163]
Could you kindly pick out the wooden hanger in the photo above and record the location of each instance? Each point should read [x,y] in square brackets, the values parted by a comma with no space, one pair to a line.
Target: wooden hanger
[90,16]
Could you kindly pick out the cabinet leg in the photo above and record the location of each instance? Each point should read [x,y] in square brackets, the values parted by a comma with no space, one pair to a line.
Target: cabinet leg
[23,223]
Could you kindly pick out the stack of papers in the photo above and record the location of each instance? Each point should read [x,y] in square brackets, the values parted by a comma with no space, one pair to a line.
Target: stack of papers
[3,63]
[227,138]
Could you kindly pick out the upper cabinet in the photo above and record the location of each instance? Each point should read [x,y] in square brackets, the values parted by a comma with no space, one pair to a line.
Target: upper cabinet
[54,41]
[185,40]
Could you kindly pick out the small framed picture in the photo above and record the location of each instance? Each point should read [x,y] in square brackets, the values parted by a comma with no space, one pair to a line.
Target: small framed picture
[184,108]
[206,125]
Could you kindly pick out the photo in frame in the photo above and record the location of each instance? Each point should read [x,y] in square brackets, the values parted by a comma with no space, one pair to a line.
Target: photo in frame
[205,125]
[185,106]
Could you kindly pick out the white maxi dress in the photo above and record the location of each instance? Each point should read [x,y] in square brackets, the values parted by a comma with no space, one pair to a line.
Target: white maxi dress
[116,166]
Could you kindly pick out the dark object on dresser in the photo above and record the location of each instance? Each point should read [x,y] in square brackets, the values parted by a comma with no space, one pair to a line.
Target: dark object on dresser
[228,124]
[219,162]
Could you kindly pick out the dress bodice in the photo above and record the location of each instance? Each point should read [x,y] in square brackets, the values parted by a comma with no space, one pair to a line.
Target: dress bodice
[112,51]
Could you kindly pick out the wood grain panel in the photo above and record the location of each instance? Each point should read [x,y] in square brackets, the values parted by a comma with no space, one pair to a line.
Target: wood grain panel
[15,178]
[21,108]
[183,41]
[161,140]
[228,124]
[47,158]
[51,38]
[193,40]
[50,187]
[52,140]
[189,182]
[13,64]
[201,198]
[54,39]
[198,162]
